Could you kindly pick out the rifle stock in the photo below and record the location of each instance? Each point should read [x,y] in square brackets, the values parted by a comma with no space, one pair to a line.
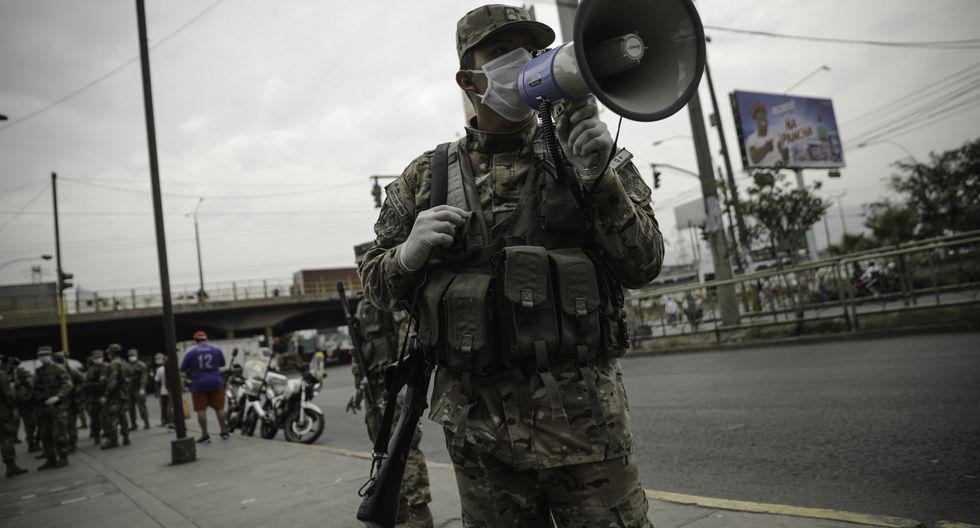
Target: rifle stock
[379,508]
[353,328]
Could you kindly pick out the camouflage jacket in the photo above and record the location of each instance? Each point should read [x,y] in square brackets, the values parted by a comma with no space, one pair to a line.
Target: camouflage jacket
[7,400]
[138,376]
[51,380]
[117,380]
[23,386]
[512,419]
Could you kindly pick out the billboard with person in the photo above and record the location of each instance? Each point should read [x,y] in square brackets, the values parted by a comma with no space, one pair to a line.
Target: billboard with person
[786,131]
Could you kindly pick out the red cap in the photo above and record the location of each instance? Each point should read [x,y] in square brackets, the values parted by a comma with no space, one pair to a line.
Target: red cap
[200,336]
[758,106]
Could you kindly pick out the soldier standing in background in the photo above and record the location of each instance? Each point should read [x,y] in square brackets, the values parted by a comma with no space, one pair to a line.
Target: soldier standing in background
[139,374]
[381,333]
[71,405]
[94,389]
[114,399]
[8,423]
[23,389]
[52,388]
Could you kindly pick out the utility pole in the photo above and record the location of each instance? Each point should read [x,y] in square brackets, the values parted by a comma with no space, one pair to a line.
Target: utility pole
[840,208]
[201,294]
[62,316]
[743,232]
[182,449]
[714,228]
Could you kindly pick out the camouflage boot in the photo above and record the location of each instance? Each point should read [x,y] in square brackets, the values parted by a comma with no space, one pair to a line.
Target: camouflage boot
[419,517]
[48,464]
[13,470]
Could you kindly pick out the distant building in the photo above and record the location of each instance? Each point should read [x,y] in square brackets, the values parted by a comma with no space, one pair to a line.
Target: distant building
[325,280]
[28,299]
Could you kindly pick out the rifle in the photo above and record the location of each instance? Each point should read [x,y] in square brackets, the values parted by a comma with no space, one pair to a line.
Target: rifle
[379,507]
[354,329]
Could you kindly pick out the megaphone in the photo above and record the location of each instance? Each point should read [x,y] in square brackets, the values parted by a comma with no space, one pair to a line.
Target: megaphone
[642,59]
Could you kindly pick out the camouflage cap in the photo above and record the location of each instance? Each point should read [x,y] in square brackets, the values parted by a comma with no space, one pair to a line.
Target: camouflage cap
[487,20]
[96,354]
[43,350]
[114,348]
[132,352]
[58,353]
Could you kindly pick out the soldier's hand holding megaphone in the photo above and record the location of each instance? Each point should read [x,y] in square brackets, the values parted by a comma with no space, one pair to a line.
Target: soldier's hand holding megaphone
[585,139]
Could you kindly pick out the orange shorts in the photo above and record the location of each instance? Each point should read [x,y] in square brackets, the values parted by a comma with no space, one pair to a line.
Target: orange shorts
[214,399]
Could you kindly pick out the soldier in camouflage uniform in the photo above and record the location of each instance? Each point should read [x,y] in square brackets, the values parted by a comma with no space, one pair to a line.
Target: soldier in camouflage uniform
[52,390]
[523,293]
[8,422]
[95,379]
[139,373]
[23,389]
[380,337]
[71,405]
[114,399]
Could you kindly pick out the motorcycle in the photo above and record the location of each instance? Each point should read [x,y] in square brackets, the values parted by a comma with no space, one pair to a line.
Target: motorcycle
[234,397]
[277,402]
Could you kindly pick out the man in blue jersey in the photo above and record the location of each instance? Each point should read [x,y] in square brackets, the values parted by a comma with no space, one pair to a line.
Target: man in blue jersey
[202,364]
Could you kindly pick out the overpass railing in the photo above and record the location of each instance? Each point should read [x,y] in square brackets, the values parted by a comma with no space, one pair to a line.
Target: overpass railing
[183,296]
[839,290]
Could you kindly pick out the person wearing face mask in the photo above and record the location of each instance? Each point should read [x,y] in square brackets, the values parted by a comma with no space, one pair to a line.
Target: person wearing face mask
[71,405]
[8,422]
[95,387]
[520,292]
[160,381]
[115,422]
[139,374]
[52,387]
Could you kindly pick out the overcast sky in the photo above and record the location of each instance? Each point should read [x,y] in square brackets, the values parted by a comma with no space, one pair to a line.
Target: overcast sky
[277,112]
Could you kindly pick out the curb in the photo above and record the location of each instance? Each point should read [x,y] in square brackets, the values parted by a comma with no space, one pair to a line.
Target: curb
[694,500]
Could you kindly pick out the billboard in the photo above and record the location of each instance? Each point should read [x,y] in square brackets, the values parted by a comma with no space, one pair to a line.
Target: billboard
[796,132]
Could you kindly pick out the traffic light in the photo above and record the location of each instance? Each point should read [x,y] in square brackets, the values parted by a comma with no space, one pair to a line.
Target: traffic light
[66,280]
[704,232]
[376,193]
[656,178]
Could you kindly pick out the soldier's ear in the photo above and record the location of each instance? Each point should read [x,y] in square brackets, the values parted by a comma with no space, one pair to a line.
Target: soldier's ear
[464,79]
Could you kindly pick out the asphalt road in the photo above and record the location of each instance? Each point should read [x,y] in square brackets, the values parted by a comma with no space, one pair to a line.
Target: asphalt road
[888,426]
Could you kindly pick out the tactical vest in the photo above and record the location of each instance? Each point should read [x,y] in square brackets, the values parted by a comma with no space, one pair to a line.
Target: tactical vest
[516,299]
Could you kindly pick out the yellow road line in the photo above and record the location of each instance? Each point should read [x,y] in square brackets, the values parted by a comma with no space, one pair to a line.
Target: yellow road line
[705,502]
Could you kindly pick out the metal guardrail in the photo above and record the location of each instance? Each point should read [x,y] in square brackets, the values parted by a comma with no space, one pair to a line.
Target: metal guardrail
[183,297]
[934,272]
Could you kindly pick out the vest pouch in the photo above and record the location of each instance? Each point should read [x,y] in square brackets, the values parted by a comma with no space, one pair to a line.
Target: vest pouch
[527,308]
[431,327]
[470,328]
[578,298]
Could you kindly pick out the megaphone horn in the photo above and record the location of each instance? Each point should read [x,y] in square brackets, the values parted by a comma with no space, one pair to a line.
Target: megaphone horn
[643,59]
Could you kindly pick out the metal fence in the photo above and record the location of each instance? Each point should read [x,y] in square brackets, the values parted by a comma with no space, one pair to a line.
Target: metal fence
[85,301]
[835,291]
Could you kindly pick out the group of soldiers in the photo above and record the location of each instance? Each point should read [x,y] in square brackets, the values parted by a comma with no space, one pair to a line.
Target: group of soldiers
[57,399]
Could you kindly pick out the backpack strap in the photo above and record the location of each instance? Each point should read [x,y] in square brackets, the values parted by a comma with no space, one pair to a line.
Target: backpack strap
[440,176]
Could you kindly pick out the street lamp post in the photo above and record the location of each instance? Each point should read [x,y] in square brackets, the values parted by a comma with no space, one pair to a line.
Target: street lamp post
[666,139]
[201,294]
[807,77]
[24,259]
[890,142]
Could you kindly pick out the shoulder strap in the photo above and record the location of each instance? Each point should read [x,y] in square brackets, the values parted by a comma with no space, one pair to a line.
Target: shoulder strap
[440,176]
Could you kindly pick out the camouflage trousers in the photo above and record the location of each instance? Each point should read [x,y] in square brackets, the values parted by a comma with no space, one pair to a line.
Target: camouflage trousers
[114,421]
[95,419]
[26,412]
[591,495]
[72,421]
[8,435]
[52,428]
[415,484]
[137,402]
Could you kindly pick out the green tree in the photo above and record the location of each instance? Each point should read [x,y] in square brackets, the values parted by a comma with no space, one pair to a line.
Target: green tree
[852,243]
[891,223]
[944,192]
[782,212]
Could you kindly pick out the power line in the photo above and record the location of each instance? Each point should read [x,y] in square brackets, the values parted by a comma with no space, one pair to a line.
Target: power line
[28,204]
[21,187]
[109,73]
[962,44]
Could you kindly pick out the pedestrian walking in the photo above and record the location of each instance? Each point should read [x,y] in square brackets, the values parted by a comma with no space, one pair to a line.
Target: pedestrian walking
[137,391]
[52,387]
[672,309]
[95,379]
[160,383]
[8,424]
[117,383]
[203,363]
[526,320]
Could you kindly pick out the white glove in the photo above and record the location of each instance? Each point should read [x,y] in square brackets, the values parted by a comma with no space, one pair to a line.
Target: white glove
[102,400]
[51,401]
[585,140]
[142,392]
[433,228]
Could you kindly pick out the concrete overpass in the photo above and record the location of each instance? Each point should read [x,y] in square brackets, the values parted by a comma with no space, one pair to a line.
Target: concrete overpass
[142,328]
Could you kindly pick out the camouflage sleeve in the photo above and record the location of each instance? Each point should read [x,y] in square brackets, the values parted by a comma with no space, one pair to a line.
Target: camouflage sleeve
[143,373]
[64,390]
[6,391]
[384,280]
[111,378]
[626,229]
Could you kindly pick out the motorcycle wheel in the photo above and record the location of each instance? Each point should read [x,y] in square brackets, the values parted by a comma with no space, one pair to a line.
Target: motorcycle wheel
[268,430]
[248,425]
[296,432]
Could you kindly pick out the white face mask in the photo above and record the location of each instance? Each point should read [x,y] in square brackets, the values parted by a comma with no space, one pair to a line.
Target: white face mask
[98,361]
[502,94]
[45,360]
[132,359]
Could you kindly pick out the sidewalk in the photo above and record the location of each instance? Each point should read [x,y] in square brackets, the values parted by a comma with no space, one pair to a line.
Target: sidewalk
[254,482]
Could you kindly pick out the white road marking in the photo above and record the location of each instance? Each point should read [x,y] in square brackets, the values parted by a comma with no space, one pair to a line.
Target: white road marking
[79,499]
[59,488]
[248,501]
[28,497]
[94,495]
[201,484]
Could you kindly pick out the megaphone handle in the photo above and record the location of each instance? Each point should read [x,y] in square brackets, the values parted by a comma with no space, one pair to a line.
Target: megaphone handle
[554,152]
